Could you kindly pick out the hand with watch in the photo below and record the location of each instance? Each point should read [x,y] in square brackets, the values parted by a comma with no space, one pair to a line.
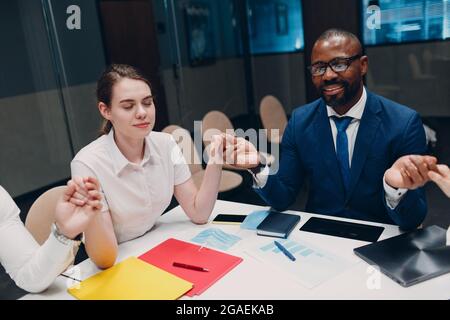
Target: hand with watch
[78,206]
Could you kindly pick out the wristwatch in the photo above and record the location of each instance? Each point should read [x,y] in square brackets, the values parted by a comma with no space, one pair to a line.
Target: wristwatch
[254,171]
[257,169]
[63,239]
[262,164]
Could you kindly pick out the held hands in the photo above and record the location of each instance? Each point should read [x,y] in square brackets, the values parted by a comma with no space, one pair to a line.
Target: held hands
[442,178]
[79,204]
[410,172]
[240,153]
[234,151]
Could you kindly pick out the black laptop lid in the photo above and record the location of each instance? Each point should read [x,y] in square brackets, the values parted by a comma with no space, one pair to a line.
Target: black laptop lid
[412,257]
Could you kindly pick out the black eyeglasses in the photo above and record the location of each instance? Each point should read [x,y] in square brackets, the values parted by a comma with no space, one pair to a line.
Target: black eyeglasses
[337,65]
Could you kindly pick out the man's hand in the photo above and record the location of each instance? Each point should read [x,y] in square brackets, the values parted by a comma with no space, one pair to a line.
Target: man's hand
[410,172]
[240,153]
[79,204]
[442,178]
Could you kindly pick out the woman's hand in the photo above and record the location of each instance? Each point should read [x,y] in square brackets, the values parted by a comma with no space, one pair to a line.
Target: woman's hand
[442,178]
[80,203]
[241,153]
[216,148]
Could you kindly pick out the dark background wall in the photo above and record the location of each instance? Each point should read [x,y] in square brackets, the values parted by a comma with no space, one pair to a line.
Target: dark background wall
[129,31]
[321,15]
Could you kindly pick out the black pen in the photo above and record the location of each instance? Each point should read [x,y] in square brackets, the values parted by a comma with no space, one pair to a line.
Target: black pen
[70,278]
[189,266]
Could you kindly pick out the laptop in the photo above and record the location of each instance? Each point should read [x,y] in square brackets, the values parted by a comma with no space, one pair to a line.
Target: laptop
[412,257]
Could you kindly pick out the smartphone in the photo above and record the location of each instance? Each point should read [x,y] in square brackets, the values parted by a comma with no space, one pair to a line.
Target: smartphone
[229,218]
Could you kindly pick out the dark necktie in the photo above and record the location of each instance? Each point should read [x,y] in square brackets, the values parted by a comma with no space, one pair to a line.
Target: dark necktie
[342,148]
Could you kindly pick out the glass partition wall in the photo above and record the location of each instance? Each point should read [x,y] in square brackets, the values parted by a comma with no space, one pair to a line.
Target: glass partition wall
[409,52]
[47,81]
[227,55]
[221,55]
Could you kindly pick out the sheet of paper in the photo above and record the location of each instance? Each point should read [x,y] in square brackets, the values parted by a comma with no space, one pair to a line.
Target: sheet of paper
[312,266]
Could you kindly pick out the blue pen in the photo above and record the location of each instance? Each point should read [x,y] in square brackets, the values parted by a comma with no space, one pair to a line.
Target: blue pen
[284,250]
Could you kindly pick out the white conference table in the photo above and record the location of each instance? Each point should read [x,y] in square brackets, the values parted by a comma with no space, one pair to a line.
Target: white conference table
[253,279]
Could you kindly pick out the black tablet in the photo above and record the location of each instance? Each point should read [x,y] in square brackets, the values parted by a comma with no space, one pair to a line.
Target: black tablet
[343,229]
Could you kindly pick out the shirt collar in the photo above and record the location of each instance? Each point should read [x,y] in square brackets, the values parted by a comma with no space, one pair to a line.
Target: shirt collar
[118,159]
[355,112]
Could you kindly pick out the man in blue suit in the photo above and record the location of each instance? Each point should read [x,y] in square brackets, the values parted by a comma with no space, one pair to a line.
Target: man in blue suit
[356,149]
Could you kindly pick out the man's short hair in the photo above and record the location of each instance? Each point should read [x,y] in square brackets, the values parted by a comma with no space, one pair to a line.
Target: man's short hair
[335,32]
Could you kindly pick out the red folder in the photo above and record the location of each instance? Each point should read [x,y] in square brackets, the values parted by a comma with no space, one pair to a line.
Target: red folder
[173,250]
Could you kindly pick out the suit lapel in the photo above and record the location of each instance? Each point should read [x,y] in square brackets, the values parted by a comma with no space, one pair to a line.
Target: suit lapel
[370,122]
[325,146]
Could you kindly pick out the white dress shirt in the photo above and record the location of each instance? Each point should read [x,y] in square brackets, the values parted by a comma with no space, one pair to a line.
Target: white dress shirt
[32,267]
[393,196]
[135,194]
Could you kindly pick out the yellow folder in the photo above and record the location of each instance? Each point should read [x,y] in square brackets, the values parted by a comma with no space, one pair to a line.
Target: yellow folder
[131,279]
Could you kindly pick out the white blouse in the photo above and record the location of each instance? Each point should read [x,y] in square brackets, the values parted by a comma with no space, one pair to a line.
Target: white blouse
[32,267]
[135,194]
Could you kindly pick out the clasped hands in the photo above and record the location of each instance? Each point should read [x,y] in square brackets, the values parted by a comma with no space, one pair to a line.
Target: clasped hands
[231,150]
[81,201]
[78,206]
[408,172]
[411,171]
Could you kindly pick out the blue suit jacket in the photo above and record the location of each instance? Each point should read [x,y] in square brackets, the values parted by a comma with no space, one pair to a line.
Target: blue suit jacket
[387,132]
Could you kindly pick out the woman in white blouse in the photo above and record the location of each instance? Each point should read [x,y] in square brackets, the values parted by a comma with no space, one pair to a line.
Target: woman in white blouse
[139,170]
[33,267]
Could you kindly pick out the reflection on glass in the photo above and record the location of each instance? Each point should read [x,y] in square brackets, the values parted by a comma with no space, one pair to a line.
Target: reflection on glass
[275,26]
[406,21]
[199,33]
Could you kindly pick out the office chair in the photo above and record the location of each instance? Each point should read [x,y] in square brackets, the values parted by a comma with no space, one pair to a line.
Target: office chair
[42,214]
[273,116]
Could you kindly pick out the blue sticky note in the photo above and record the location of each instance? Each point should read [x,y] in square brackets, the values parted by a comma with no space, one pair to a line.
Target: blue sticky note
[216,238]
[254,219]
